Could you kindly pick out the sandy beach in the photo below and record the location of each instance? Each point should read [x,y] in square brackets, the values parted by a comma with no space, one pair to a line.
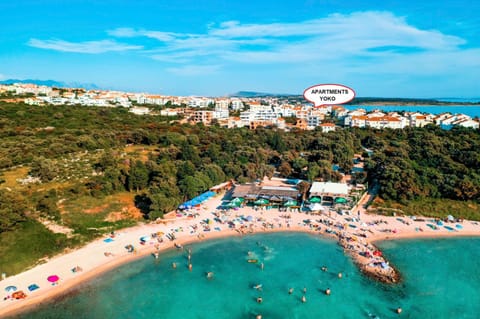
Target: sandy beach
[356,233]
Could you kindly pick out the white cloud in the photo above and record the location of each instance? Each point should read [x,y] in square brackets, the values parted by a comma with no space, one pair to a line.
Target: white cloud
[130,33]
[91,47]
[361,42]
[358,35]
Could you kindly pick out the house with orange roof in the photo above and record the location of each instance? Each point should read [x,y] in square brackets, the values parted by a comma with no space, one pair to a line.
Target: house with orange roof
[356,121]
[327,127]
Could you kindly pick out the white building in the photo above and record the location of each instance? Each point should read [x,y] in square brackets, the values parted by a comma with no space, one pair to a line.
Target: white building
[327,127]
[139,110]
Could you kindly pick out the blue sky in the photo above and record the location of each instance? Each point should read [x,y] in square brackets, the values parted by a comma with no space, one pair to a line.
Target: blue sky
[378,48]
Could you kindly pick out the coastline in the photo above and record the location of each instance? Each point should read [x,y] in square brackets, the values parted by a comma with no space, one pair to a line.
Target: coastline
[347,230]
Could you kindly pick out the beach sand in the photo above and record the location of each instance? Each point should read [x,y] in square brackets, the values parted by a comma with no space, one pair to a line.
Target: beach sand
[100,256]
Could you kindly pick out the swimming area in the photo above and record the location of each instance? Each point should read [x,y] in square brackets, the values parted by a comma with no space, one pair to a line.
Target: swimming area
[441,280]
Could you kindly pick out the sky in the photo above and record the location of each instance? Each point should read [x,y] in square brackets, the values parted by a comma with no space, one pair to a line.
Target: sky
[417,49]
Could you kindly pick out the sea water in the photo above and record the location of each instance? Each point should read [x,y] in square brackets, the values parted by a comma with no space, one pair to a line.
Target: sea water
[441,279]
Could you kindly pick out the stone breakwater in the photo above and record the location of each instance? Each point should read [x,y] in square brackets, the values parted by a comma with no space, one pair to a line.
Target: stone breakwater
[354,240]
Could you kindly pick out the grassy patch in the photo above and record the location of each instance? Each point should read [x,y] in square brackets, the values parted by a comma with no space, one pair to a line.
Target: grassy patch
[141,152]
[88,216]
[12,175]
[23,247]
[436,208]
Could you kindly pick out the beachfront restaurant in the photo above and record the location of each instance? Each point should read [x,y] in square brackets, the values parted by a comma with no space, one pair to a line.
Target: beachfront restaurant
[329,193]
[268,196]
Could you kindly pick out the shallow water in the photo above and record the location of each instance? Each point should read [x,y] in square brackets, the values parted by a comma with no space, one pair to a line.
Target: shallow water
[441,280]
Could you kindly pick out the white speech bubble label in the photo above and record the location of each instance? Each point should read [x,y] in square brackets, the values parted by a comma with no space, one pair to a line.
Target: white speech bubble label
[328,94]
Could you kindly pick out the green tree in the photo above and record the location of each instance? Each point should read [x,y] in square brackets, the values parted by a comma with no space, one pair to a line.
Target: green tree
[12,210]
[43,168]
[138,176]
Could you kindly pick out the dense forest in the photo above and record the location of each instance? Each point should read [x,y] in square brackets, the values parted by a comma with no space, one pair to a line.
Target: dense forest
[81,153]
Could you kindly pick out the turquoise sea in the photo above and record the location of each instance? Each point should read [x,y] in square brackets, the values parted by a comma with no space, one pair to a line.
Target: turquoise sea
[441,280]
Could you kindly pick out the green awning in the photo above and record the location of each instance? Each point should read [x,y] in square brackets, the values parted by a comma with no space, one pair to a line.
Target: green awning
[340,200]
[290,203]
[261,201]
[238,200]
[315,200]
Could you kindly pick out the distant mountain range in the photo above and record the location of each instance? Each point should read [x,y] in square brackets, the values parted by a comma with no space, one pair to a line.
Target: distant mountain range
[53,83]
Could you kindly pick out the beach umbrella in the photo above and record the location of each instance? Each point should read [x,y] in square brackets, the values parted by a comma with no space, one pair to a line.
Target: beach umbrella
[249,218]
[10,288]
[315,200]
[450,218]
[53,278]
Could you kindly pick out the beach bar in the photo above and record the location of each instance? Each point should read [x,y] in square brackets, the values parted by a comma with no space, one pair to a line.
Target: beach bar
[328,192]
